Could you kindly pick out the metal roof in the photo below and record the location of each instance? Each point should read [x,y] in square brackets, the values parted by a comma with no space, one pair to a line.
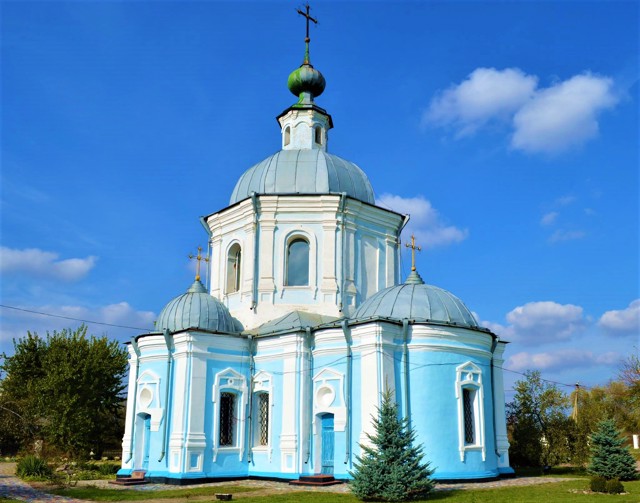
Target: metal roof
[309,171]
[419,302]
[292,322]
[196,310]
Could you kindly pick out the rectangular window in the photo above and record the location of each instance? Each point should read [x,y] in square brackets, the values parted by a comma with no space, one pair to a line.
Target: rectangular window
[469,423]
[263,419]
[227,418]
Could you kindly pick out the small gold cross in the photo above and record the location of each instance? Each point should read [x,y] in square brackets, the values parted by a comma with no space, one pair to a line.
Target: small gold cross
[199,258]
[413,251]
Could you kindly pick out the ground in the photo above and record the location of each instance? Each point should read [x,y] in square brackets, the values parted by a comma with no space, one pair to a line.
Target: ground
[14,488]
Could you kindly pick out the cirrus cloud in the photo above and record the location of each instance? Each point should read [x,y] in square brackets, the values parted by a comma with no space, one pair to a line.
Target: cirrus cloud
[542,120]
[426,223]
[44,264]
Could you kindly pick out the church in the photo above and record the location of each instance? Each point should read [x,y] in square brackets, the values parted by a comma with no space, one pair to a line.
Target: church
[277,368]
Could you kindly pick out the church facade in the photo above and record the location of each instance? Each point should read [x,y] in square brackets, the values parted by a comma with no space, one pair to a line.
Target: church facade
[277,369]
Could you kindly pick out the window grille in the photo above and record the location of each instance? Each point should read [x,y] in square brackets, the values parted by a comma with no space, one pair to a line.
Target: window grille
[227,418]
[263,419]
[469,430]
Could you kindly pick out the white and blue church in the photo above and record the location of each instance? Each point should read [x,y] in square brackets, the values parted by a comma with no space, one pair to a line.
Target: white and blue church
[276,369]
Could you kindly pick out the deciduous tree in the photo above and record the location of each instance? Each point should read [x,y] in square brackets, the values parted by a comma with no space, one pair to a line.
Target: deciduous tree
[67,387]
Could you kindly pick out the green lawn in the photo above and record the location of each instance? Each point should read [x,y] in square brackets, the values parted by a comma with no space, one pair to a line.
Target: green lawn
[551,492]
[96,494]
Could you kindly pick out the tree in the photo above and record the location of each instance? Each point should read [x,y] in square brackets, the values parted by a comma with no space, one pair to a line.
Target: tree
[538,423]
[391,469]
[610,458]
[67,388]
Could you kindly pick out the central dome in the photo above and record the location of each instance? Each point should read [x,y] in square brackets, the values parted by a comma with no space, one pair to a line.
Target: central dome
[304,171]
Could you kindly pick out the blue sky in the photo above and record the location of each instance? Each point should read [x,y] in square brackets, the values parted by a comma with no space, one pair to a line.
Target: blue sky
[508,130]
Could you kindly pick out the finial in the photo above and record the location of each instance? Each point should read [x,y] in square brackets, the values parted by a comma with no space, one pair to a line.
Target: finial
[306,38]
[413,251]
[199,258]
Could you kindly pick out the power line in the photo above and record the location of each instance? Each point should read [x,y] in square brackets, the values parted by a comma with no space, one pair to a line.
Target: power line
[415,366]
[74,319]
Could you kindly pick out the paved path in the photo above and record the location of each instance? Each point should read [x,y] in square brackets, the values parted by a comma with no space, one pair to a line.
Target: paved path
[14,488]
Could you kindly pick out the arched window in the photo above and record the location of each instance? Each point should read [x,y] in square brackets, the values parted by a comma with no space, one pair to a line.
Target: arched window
[262,415]
[234,268]
[287,135]
[318,135]
[297,263]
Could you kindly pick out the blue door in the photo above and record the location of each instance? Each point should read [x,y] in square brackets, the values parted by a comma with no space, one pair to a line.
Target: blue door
[327,444]
[145,440]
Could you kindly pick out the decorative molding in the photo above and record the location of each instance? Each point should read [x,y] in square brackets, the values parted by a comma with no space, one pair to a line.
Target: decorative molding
[230,380]
[469,376]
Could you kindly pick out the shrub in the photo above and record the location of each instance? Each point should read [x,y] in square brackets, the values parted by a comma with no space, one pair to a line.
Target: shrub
[108,468]
[33,466]
[598,484]
[614,486]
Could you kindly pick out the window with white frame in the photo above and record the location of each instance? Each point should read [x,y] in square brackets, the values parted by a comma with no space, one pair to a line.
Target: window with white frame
[234,260]
[469,395]
[318,134]
[297,267]
[287,135]
[230,397]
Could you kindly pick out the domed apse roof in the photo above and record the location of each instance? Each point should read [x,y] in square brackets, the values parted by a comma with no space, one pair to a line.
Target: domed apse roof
[198,310]
[305,171]
[417,301]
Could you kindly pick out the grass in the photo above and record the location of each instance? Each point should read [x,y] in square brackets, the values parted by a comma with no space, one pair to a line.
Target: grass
[93,493]
[569,491]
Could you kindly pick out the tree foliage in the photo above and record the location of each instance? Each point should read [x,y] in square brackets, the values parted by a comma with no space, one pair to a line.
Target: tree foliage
[610,458]
[391,469]
[538,423]
[65,388]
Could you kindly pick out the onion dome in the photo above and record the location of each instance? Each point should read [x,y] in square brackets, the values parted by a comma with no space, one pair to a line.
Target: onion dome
[415,300]
[304,171]
[306,79]
[196,310]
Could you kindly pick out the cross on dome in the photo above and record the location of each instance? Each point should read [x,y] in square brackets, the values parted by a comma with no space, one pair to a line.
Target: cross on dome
[198,259]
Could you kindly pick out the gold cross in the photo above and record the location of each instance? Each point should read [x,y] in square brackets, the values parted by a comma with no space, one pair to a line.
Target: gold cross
[198,257]
[413,251]
[309,18]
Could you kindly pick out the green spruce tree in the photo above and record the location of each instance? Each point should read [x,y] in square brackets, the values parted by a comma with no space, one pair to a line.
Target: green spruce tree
[391,469]
[609,457]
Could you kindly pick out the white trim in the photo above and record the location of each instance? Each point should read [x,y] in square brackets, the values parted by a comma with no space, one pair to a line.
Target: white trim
[229,380]
[469,376]
[263,383]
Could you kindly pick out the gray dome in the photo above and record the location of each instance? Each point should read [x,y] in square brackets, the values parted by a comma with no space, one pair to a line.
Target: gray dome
[419,302]
[196,310]
[305,171]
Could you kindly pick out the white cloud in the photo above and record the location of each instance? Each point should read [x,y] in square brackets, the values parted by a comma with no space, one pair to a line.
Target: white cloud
[549,218]
[544,120]
[564,115]
[560,359]
[564,235]
[622,322]
[426,223]
[42,263]
[540,322]
[566,200]
[485,95]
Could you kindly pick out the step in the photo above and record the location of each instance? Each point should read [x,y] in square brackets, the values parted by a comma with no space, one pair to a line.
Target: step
[315,480]
[129,481]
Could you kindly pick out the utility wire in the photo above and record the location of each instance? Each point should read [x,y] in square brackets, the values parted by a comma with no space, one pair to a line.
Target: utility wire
[339,360]
[73,319]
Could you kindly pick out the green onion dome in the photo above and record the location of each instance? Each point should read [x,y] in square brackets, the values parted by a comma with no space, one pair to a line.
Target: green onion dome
[306,79]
